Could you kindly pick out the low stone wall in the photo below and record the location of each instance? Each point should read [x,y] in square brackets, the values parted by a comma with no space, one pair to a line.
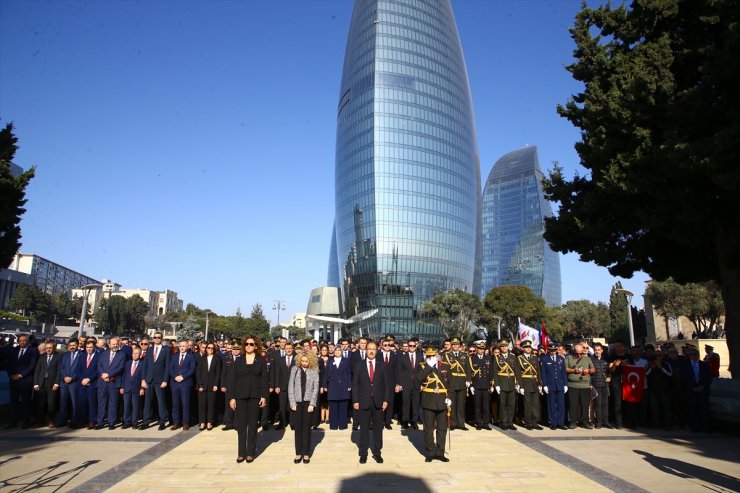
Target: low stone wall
[724,402]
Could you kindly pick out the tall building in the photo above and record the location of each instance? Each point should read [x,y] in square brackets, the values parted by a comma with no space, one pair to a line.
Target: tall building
[159,302]
[49,276]
[407,178]
[514,208]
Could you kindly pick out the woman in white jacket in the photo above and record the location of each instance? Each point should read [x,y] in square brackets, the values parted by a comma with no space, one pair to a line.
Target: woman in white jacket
[303,391]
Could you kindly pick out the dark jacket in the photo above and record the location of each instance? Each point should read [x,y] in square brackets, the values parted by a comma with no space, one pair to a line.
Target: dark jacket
[26,365]
[338,380]
[365,392]
[186,370]
[132,383]
[114,368]
[208,377]
[481,371]
[554,376]
[431,378]
[598,379]
[280,373]
[157,371]
[407,374]
[248,381]
[47,374]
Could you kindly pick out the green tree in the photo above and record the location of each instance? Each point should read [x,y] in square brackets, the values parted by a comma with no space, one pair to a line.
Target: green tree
[453,311]
[510,303]
[236,325]
[135,311]
[618,314]
[659,117]
[190,329]
[699,302]
[257,324]
[111,315]
[30,300]
[63,306]
[12,197]
[584,319]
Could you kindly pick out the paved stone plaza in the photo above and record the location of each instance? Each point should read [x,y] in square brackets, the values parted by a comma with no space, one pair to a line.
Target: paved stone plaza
[577,460]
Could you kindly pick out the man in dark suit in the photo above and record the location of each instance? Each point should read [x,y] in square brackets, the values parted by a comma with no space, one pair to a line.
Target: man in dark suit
[371,393]
[391,361]
[696,381]
[280,375]
[410,394]
[110,368]
[182,371]
[156,378]
[21,365]
[356,357]
[46,384]
[131,389]
[68,386]
[86,373]
[228,365]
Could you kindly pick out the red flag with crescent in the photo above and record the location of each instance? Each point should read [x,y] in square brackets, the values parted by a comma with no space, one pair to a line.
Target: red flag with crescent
[633,383]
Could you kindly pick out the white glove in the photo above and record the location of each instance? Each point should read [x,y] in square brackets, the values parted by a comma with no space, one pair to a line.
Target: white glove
[490,389]
[498,389]
[432,361]
[467,384]
[521,391]
[448,402]
[565,389]
[472,390]
[516,387]
[540,388]
[547,391]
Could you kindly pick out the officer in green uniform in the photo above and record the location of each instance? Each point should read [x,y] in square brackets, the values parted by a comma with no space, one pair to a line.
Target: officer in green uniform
[507,384]
[434,377]
[459,382]
[481,367]
[530,386]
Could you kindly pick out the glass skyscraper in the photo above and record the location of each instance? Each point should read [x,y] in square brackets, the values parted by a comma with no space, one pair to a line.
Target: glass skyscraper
[407,168]
[514,208]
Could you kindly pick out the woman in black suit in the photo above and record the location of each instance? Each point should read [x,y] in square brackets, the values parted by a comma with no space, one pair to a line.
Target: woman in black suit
[207,379]
[246,392]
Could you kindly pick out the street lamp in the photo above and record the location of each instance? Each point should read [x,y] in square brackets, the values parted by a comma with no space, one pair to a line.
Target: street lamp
[85,293]
[498,327]
[208,312]
[278,305]
[628,294]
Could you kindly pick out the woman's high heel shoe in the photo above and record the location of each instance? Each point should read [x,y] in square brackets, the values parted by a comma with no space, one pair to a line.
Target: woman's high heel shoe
[239,460]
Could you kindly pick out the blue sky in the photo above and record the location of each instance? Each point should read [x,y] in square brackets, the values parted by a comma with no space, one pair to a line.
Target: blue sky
[190,145]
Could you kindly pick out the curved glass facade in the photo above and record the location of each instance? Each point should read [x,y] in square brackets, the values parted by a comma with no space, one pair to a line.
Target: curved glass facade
[407,169]
[514,208]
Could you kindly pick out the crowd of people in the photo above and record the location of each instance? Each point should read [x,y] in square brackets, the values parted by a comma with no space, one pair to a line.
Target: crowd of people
[248,386]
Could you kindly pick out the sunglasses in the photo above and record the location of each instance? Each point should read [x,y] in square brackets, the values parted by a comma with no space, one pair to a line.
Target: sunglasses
[249,344]
[156,337]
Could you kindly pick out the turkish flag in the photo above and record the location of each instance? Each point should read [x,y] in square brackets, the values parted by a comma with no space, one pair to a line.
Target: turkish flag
[633,383]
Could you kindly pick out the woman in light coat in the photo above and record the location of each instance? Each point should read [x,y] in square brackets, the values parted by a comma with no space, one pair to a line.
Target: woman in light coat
[303,391]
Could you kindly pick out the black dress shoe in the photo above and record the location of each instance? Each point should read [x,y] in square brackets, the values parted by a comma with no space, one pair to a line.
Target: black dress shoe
[250,459]
[227,428]
[414,426]
[463,428]
[512,427]
[162,426]
[297,461]
[537,427]
[355,427]
[240,460]
[562,427]
[306,461]
[99,427]
[363,459]
[388,427]
[125,427]
[111,427]
[378,458]
[553,427]
[428,459]
[528,426]
[442,458]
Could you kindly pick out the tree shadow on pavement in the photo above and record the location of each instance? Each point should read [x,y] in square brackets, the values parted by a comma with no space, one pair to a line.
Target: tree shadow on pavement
[55,476]
[383,481]
[685,470]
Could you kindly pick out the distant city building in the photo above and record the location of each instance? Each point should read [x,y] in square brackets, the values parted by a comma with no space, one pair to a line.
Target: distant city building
[49,276]
[10,280]
[160,302]
[514,208]
[298,320]
[407,175]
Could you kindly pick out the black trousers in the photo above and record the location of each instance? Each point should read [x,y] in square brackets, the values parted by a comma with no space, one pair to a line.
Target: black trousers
[531,407]
[661,411]
[482,407]
[21,393]
[435,426]
[283,417]
[46,404]
[388,413]
[578,401]
[616,397]
[228,414]
[458,407]
[302,421]
[507,400]
[365,417]
[410,398]
[601,406]
[206,406]
[245,421]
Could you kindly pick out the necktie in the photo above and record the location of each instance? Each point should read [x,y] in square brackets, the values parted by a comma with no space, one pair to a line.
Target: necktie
[48,360]
[345,354]
[156,352]
[133,368]
[362,353]
[372,370]
[386,358]
[72,363]
[20,354]
[182,357]
[112,355]
[412,360]
[287,361]
[89,358]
